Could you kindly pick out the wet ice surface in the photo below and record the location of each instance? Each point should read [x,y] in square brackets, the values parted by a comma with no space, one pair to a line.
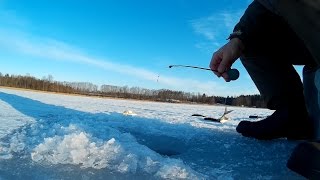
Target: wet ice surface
[51,136]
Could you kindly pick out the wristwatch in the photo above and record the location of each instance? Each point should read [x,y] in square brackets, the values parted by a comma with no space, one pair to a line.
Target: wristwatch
[235,34]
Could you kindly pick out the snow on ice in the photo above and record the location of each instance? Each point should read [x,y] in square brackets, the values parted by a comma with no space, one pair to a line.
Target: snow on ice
[54,136]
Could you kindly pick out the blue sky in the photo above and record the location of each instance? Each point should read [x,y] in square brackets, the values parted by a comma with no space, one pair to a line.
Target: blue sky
[121,42]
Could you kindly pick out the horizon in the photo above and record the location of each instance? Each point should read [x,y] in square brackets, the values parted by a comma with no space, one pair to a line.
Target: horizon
[50,79]
[122,43]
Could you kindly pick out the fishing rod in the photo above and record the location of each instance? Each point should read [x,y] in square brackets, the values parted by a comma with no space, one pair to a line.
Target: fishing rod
[256,116]
[232,73]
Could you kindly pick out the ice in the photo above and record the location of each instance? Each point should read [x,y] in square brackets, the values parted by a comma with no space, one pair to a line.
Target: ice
[53,136]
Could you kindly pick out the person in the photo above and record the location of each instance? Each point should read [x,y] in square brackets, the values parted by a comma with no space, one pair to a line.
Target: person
[269,39]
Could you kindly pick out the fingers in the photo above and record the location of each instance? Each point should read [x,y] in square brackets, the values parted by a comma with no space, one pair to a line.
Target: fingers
[225,76]
[220,63]
[215,62]
[225,64]
[223,59]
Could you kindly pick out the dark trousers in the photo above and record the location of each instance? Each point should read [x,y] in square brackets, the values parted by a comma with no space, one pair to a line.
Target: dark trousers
[269,61]
[304,17]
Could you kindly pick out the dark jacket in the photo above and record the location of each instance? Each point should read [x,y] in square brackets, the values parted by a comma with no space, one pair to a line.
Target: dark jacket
[303,16]
[270,5]
[252,23]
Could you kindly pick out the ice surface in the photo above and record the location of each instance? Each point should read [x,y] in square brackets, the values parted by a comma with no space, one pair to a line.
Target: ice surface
[53,136]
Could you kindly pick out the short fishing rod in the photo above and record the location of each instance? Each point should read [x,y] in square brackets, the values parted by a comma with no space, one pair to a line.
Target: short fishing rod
[232,73]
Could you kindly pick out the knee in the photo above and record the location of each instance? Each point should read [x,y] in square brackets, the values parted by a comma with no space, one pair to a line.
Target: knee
[253,55]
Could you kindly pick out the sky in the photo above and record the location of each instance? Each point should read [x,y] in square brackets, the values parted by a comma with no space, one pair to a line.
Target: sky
[121,42]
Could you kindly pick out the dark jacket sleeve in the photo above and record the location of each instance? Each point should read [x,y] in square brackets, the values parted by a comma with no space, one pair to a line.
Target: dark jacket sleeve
[252,22]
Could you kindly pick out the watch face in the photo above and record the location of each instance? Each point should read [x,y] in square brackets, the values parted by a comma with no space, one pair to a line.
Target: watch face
[238,32]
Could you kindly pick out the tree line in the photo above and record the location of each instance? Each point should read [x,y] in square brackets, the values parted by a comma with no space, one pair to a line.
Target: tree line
[47,83]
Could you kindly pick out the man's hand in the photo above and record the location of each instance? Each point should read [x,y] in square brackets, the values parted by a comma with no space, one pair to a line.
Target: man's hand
[222,60]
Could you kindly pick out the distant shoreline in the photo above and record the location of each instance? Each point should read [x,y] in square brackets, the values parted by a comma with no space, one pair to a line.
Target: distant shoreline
[104,97]
[119,98]
[87,89]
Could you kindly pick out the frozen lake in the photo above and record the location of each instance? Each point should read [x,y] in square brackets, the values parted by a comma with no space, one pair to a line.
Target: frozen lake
[54,136]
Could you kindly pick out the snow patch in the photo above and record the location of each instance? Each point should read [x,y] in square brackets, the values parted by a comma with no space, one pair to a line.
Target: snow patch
[123,157]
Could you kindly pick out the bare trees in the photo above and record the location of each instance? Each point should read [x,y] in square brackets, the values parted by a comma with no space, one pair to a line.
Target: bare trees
[82,87]
[47,83]
[250,101]
[29,82]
